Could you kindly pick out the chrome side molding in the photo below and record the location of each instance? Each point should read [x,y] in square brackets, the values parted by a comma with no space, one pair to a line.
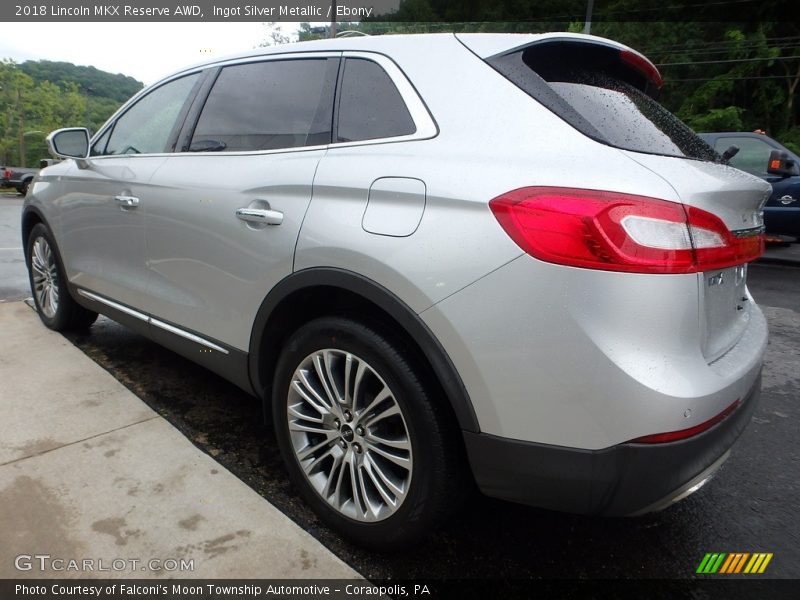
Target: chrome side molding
[150,320]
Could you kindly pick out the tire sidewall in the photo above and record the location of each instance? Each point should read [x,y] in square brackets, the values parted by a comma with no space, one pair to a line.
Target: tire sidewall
[58,320]
[408,522]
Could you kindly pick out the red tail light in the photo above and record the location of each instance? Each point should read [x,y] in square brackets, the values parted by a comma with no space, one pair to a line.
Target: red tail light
[619,232]
[7,173]
[673,436]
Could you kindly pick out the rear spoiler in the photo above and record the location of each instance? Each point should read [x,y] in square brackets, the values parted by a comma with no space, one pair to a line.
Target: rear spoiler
[547,54]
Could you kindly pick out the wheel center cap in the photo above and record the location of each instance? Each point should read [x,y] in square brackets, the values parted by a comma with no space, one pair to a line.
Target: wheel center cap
[347,433]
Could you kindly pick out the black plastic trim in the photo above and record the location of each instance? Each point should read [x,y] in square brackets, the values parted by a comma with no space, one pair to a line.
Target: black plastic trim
[192,111]
[376,294]
[231,366]
[616,481]
[26,211]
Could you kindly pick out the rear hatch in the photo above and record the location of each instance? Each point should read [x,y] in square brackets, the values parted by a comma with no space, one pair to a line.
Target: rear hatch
[608,92]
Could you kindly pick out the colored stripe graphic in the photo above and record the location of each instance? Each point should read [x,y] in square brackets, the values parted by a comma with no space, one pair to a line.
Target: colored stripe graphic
[737,563]
[734,563]
[711,563]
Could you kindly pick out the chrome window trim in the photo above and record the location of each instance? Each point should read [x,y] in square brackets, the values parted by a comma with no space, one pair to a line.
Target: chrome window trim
[146,90]
[423,120]
[151,321]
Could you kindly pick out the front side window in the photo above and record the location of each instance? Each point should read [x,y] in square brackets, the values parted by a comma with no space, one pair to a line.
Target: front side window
[370,107]
[146,127]
[267,106]
[753,154]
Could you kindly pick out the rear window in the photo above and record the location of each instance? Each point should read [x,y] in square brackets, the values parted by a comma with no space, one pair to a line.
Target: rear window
[594,91]
[370,106]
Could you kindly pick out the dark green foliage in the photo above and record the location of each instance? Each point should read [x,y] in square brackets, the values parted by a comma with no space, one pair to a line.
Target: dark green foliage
[37,97]
[719,75]
[90,81]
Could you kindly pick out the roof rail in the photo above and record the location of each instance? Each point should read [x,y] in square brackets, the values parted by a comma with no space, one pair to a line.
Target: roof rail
[351,33]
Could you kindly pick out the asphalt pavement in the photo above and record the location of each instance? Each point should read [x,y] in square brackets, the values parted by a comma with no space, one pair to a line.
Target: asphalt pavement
[750,506]
[13,276]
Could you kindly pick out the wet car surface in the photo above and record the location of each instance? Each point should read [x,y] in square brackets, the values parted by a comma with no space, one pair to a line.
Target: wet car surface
[750,506]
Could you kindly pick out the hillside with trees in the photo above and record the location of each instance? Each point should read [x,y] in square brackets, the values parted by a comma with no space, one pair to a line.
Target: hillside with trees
[37,97]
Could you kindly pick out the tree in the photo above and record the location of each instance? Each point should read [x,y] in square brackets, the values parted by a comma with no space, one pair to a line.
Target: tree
[38,97]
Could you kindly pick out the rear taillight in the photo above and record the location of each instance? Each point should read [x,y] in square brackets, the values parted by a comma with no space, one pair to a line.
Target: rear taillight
[619,232]
[7,173]
[674,436]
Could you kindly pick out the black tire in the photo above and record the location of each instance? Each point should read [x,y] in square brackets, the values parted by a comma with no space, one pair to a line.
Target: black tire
[63,314]
[436,474]
[24,187]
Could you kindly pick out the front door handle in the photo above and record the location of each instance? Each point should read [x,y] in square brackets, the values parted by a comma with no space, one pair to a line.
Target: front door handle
[127,201]
[259,215]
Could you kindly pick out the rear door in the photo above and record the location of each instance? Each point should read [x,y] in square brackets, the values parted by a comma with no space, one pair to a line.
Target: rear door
[225,212]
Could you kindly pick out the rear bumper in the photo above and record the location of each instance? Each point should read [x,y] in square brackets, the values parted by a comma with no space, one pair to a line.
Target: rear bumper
[621,480]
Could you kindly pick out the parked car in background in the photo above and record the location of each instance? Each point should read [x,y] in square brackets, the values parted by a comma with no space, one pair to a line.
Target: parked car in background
[756,153]
[432,257]
[19,178]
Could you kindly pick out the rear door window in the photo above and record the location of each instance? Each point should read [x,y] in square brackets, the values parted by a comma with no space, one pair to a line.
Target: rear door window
[267,106]
[370,106]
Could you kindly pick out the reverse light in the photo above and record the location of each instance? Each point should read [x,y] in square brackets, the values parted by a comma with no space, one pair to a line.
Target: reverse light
[673,436]
[619,232]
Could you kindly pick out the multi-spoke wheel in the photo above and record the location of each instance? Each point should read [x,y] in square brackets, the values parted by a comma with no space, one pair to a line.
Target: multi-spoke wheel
[44,276]
[362,439]
[55,306]
[349,435]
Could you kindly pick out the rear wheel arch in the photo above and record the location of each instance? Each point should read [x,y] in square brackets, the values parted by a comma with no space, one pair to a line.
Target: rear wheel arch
[316,292]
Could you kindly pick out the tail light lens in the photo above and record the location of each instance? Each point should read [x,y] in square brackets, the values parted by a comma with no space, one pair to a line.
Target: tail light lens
[619,232]
[674,436]
[7,173]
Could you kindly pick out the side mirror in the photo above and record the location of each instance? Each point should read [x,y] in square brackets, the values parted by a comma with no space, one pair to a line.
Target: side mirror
[781,165]
[69,143]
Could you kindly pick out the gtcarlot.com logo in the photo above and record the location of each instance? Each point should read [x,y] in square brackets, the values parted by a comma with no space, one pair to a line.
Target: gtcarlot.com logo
[734,563]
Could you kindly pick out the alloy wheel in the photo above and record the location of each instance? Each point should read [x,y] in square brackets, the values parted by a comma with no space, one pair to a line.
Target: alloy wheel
[349,435]
[45,277]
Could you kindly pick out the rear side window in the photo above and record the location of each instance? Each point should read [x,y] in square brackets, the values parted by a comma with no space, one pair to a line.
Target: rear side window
[266,106]
[592,89]
[370,107]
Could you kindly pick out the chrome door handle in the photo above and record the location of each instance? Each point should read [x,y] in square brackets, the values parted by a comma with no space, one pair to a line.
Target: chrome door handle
[258,215]
[127,201]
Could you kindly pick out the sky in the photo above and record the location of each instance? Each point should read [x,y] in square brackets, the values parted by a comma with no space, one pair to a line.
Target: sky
[145,51]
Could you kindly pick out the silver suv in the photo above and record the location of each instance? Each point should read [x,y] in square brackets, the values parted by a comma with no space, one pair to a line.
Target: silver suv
[435,259]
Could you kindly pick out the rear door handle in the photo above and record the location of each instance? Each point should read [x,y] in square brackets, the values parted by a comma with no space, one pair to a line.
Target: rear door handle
[127,201]
[259,215]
